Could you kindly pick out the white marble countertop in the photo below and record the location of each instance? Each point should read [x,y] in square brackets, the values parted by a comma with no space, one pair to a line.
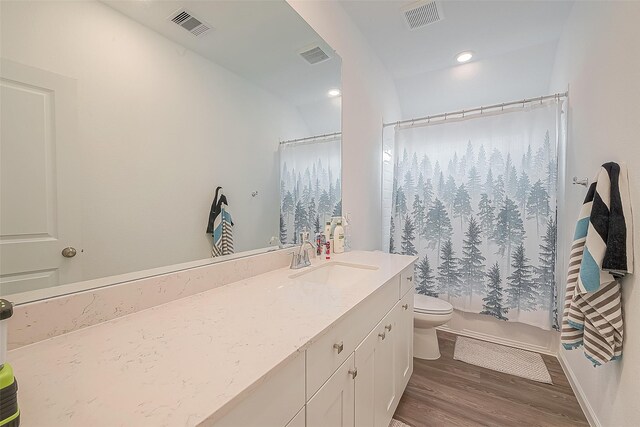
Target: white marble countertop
[189,360]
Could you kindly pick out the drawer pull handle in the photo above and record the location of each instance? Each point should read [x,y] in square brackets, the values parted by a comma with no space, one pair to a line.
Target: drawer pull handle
[382,335]
[410,278]
[405,306]
[339,347]
[353,373]
[388,327]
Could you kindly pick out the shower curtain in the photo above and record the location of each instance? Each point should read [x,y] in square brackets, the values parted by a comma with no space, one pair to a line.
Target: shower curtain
[475,200]
[310,186]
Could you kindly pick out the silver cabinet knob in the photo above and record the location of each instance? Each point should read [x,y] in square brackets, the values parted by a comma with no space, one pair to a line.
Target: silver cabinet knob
[69,252]
[405,306]
[339,347]
[382,335]
[388,327]
[353,372]
[410,278]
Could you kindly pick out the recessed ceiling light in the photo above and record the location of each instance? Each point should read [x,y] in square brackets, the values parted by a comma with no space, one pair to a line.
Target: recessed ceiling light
[333,93]
[463,57]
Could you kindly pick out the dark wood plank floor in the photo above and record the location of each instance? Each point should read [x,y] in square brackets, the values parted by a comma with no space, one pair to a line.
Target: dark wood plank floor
[447,392]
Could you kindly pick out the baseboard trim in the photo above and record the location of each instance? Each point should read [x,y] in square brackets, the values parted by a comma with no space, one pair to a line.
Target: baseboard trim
[498,340]
[589,413]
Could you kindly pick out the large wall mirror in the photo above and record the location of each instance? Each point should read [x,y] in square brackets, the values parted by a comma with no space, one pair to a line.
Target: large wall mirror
[121,119]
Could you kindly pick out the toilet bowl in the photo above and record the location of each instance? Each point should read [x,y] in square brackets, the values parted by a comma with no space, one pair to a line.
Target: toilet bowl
[428,313]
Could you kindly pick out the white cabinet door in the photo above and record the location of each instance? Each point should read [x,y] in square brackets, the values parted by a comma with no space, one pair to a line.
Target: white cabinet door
[404,341]
[334,405]
[385,398]
[39,204]
[365,358]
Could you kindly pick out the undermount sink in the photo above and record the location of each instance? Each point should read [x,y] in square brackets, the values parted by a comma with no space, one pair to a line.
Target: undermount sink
[335,273]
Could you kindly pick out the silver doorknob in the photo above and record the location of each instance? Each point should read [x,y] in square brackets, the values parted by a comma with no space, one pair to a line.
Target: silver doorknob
[69,252]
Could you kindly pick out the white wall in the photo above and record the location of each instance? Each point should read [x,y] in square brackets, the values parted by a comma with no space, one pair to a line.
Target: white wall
[597,58]
[523,73]
[369,98]
[159,127]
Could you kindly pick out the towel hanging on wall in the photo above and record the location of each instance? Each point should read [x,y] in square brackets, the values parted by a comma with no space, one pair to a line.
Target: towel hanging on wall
[220,225]
[601,254]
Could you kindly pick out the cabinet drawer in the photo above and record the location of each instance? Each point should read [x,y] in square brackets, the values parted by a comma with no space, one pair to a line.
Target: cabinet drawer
[406,280]
[274,403]
[332,348]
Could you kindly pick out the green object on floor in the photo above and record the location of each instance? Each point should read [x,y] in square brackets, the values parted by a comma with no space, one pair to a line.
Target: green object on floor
[9,412]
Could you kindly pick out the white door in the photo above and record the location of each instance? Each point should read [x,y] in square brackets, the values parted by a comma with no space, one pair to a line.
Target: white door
[385,372]
[333,405]
[39,207]
[404,341]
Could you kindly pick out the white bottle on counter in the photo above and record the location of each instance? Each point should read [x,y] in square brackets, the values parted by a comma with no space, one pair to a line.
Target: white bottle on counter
[338,238]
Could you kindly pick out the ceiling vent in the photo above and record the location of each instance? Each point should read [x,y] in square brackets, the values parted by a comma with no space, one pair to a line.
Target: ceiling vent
[190,23]
[314,55]
[422,13]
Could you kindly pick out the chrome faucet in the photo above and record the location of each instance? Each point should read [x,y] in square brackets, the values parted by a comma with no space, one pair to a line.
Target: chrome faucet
[300,257]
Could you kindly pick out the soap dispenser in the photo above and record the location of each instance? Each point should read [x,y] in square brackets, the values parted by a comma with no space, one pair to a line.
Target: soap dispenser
[338,238]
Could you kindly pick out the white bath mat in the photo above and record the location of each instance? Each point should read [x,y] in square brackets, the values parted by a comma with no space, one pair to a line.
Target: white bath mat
[522,363]
[396,423]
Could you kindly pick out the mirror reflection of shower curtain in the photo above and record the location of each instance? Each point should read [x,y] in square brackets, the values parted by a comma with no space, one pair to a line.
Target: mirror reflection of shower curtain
[475,199]
[310,186]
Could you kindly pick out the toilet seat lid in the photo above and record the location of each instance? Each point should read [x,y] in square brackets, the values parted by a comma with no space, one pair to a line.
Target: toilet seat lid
[430,305]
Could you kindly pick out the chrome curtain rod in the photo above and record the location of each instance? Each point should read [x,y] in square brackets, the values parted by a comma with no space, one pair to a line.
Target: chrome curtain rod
[462,113]
[311,138]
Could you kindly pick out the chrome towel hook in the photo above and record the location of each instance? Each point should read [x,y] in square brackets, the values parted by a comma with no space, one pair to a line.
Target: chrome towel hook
[582,181]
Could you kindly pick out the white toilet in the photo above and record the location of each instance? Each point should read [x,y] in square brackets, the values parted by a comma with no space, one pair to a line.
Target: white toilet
[428,312]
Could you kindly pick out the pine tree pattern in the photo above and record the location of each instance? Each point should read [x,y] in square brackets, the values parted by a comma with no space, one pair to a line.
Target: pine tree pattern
[408,234]
[426,279]
[522,292]
[283,230]
[492,303]
[472,262]
[449,280]
[476,216]
[438,225]
[545,273]
[509,229]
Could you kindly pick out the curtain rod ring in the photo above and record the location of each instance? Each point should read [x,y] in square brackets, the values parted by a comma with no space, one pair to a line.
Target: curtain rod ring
[463,114]
[445,116]
[502,107]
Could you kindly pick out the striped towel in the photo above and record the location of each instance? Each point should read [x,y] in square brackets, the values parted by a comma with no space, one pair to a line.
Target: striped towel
[220,225]
[222,234]
[602,253]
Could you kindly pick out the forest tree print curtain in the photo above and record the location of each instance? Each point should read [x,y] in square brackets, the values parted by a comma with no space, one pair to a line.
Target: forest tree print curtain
[310,186]
[475,200]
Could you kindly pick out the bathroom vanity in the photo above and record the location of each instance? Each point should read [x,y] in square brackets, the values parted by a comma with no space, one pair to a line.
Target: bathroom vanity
[330,344]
